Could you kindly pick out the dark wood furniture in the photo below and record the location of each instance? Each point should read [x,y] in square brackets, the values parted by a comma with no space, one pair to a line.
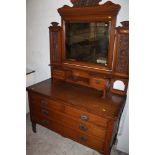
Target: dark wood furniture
[81,100]
[76,112]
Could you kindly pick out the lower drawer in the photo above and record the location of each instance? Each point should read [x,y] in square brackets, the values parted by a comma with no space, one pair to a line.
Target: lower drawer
[89,141]
[85,127]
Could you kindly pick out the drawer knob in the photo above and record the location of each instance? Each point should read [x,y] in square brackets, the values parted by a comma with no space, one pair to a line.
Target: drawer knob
[83,127]
[45,112]
[83,138]
[97,81]
[44,122]
[43,103]
[84,117]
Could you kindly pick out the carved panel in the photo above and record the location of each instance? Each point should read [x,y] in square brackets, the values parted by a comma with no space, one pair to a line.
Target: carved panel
[123,54]
[55,43]
[125,24]
[55,46]
[89,8]
[84,3]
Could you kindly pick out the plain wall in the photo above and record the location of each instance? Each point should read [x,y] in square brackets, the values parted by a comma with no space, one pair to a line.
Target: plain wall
[123,133]
[40,13]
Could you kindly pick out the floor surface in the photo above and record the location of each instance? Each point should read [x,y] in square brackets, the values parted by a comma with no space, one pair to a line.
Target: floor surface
[46,142]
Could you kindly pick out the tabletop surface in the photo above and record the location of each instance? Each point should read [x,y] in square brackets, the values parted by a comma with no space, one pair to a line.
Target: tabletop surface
[81,97]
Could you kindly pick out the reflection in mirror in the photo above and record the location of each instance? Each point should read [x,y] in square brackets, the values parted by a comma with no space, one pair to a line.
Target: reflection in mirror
[87,41]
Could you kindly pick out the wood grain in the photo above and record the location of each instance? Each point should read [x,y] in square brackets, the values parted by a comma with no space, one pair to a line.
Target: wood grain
[64,107]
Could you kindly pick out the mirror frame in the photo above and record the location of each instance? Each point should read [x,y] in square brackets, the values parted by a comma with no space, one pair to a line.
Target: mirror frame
[105,12]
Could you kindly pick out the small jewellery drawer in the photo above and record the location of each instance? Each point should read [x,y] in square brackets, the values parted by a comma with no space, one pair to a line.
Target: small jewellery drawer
[59,74]
[84,127]
[68,132]
[98,83]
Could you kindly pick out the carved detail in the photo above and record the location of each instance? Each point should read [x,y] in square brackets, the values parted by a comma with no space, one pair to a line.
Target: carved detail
[55,24]
[123,54]
[109,3]
[66,6]
[108,8]
[85,3]
[125,24]
[90,3]
[55,46]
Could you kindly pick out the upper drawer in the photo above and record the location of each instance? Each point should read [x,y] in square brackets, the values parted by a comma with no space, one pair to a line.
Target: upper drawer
[73,112]
[46,103]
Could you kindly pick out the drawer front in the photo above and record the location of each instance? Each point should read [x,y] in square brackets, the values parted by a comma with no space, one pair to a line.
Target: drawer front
[86,117]
[98,83]
[72,112]
[78,73]
[44,102]
[59,74]
[90,141]
[84,127]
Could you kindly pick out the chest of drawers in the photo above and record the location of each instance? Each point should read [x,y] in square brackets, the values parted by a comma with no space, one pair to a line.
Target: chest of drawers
[76,112]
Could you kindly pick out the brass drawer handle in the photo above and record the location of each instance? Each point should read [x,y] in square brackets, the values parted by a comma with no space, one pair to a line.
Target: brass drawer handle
[45,122]
[97,81]
[83,127]
[84,117]
[45,112]
[44,103]
[83,138]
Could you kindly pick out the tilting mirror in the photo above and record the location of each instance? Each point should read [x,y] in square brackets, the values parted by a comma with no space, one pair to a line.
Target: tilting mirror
[87,41]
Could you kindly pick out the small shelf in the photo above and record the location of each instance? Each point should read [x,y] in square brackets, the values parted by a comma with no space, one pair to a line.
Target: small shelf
[78,80]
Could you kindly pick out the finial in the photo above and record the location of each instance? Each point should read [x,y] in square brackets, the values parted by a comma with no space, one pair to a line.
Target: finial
[55,24]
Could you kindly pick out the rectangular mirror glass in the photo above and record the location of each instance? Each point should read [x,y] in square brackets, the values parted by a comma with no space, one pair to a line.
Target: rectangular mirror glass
[87,41]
